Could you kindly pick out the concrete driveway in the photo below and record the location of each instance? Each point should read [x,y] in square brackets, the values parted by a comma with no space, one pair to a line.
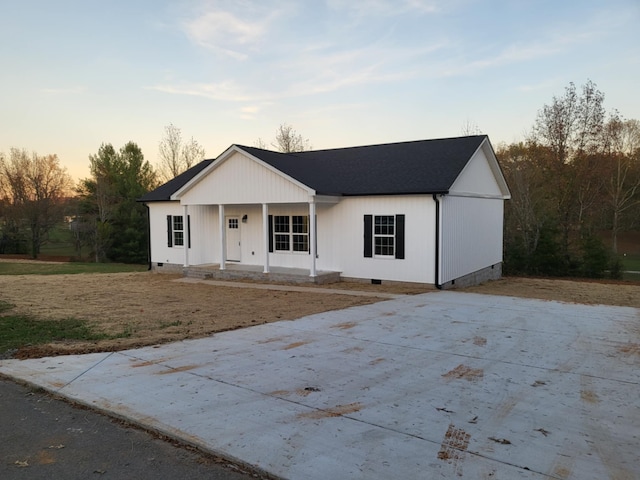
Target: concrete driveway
[440,385]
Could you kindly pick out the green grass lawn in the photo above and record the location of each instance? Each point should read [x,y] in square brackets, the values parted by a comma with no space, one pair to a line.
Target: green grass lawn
[20,330]
[35,268]
[631,262]
[61,242]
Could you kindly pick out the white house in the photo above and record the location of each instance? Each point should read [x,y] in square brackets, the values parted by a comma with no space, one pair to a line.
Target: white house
[426,211]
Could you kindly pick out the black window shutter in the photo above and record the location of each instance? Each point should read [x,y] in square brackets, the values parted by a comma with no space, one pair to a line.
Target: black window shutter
[188,231]
[400,237]
[169,231]
[368,236]
[270,233]
[308,236]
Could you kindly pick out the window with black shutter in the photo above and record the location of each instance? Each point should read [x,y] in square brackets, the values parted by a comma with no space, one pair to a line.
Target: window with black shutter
[384,236]
[176,231]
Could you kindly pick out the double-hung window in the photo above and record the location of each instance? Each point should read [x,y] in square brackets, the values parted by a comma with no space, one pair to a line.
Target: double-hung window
[384,235]
[300,234]
[178,231]
[282,233]
[290,233]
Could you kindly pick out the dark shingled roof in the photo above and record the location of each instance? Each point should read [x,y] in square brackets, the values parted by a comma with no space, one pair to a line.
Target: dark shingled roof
[419,167]
[426,166]
[163,192]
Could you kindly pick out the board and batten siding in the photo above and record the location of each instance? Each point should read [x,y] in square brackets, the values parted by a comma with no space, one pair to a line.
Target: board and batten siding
[204,238]
[477,178]
[341,238]
[471,235]
[242,180]
[160,251]
[205,242]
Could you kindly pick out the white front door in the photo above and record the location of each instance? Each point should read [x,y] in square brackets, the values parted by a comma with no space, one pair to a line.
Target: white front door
[233,238]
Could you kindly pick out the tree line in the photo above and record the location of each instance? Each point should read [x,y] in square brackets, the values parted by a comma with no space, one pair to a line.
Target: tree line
[37,193]
[575,177]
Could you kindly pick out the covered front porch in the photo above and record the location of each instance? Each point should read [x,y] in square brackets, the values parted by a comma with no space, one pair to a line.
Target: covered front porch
[242,218]
[236,271]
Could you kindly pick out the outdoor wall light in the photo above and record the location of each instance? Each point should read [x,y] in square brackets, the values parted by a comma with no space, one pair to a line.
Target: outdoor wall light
[244,218]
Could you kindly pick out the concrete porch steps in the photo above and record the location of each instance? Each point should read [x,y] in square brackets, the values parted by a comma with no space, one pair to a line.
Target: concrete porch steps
[255,273]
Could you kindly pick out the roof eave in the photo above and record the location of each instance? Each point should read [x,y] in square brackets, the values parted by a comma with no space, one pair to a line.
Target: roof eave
[390,194]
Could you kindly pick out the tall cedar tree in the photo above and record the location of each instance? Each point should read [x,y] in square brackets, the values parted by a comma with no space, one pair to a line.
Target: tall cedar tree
[119,222]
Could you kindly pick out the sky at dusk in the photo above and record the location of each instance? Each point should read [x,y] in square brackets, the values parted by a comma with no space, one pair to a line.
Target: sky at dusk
[76,74]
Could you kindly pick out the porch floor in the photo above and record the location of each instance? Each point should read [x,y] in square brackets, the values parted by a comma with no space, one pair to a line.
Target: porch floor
[235,271]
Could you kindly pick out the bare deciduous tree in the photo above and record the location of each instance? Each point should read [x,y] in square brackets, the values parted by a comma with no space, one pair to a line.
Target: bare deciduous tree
[572,128]
[260,143]
[288,140]
[623,187]
[470,128]
[34,188]
[175,155]
[572,124]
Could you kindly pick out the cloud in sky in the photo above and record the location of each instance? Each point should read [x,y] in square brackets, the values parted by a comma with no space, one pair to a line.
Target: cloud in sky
[313,60]
[74,90]
[384,8]
[288,61]
[344,72]
[233,29]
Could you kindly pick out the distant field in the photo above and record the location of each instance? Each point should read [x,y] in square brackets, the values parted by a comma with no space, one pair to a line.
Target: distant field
[8,267]
[62,243]
[631,262]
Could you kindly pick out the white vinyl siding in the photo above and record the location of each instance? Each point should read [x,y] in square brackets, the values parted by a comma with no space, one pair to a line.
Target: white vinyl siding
[471,235]
[341,236]
[204,239]
[478,179]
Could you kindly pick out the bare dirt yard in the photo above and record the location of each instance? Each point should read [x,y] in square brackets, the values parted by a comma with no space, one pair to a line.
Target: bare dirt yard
[149,308]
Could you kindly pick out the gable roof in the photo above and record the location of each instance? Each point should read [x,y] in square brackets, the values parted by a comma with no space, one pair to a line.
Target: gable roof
[417,167]
[163,192]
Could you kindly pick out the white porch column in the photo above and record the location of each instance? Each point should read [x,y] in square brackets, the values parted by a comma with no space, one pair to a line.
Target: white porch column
[265,236]
[186,233]
[312,237]
[223,237]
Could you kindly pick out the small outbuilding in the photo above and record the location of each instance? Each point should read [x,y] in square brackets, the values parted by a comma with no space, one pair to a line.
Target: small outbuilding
[428,211]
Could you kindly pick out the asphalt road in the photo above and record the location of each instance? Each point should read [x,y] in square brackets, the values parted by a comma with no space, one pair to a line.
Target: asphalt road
[42,437]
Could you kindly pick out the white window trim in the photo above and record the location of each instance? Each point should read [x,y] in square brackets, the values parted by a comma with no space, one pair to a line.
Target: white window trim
[174,230]
[290,234]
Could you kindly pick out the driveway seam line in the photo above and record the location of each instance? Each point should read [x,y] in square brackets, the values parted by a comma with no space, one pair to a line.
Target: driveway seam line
[85,371]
